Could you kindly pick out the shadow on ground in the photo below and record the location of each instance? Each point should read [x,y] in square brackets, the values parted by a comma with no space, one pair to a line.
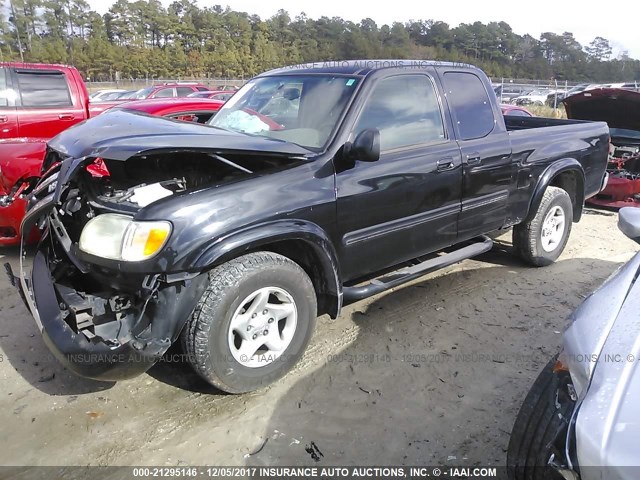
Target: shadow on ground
[23,347]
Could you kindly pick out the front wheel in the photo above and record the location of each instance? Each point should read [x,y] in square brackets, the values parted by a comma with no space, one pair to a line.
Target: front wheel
[252,323]
[541,240]
[540,428]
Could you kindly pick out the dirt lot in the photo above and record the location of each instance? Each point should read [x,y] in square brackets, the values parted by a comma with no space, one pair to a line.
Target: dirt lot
[430,374]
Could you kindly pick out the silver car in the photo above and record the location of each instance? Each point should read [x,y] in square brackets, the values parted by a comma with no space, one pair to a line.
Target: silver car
[581,418]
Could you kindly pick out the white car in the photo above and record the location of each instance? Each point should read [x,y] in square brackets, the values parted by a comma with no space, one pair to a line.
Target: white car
[100,94]
[627,86]
[535,97]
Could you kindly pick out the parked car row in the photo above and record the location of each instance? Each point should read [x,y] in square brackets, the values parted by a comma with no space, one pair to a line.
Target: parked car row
[522,95]
[165,90]
[529,95]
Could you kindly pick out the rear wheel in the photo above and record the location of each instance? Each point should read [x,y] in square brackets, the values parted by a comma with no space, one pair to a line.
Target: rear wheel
[253,322]
[541,240]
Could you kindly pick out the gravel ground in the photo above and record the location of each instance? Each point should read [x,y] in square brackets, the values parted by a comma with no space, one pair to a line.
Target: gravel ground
[432,373]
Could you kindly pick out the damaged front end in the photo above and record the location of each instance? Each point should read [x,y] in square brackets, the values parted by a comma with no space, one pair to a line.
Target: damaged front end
[119,212]
[623,186]
[621,110]
[100,322]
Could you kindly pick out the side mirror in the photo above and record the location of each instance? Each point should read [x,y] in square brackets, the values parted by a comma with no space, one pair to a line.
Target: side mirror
[366,146]
[629,222]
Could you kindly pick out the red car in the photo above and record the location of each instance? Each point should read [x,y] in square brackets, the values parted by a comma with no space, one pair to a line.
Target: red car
[198,110]
[516,111]
[37,102]
[620,108]
[12,207]
[170,90]
[164,91]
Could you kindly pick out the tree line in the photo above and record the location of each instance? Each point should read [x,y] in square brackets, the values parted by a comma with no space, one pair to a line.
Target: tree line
[143,39]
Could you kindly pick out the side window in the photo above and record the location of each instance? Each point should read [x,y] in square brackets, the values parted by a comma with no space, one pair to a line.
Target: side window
[470,103]
[4,92]
[164,93]
[405,109]
[184,91]
[202,89]
[42,88]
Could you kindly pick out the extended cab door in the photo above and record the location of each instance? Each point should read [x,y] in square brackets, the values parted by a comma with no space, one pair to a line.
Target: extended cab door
[406,203]
[46,105]
[488,173]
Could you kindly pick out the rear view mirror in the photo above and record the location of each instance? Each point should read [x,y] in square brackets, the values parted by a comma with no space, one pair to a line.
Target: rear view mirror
[629,222]
[366,146]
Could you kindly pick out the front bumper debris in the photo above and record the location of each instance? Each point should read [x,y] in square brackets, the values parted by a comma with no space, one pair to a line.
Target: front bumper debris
[99,329]
[76,339]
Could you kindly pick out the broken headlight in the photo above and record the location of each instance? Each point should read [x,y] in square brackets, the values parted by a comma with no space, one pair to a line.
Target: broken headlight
[119,237]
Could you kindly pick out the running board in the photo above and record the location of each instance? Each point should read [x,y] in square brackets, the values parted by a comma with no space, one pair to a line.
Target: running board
[353,294]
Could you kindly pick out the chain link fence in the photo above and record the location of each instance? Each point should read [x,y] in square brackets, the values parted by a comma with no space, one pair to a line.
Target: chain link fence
[138,83]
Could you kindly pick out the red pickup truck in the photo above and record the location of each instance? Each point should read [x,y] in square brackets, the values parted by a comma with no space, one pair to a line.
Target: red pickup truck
[37,102]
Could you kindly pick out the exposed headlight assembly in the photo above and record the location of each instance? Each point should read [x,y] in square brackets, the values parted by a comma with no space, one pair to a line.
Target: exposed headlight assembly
[119,237]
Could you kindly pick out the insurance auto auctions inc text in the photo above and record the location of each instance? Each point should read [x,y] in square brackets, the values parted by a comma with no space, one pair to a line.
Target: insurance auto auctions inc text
[375,472]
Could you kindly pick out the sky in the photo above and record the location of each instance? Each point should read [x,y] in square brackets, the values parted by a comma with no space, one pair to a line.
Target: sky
[586,20]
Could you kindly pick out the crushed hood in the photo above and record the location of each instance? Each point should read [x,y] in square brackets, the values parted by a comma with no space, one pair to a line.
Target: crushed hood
[619,108]
[120,135]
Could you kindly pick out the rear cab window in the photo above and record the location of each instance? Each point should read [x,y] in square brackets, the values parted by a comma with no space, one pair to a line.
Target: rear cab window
[471,105]
[43,89]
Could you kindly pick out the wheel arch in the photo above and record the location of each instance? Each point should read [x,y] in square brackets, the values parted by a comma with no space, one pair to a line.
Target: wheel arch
[566,173]
[301,241]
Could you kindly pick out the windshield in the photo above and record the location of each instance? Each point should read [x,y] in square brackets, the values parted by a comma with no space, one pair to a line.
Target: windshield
[299,109]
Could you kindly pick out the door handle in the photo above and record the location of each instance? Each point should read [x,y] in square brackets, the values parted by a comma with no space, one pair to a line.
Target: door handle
[4,119]
[445,164]
[473,158]
[66,116]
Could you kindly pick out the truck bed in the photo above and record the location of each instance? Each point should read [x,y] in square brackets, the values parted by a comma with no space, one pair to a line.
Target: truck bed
[535,141]
[514,123]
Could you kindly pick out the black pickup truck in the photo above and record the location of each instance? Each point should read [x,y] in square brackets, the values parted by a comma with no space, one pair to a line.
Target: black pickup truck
[314,186]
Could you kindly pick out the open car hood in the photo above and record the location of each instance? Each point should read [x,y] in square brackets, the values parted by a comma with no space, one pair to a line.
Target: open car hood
[619,108]
[120,135]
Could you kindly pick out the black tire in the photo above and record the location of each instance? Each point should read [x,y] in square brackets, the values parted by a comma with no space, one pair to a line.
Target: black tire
[539,420]
[205,338]
[527,237]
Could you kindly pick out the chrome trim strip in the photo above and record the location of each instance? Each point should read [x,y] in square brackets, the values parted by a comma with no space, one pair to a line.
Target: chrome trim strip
[485,200]
[392,226]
